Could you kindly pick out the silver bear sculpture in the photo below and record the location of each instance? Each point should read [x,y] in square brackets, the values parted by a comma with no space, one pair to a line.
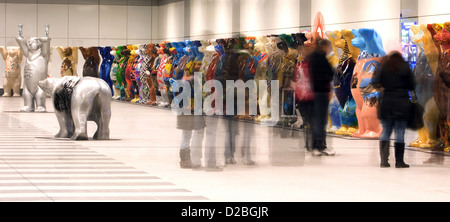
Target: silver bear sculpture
[37,53]
[78,100]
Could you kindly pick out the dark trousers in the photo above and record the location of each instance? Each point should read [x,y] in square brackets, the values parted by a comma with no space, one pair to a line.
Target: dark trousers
[306,110]
[319,119]
[230,137]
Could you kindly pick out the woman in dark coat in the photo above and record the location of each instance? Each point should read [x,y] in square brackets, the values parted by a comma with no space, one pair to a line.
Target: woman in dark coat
[397,81]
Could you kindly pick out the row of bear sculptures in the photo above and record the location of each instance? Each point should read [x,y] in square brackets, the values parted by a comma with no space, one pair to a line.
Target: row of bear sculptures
[143,74]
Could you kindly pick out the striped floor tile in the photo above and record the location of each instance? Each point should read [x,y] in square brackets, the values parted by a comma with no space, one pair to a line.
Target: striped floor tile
[34,167]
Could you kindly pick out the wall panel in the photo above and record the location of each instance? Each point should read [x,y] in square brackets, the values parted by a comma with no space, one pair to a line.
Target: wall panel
[25,14]
[139,22]
[433,11]
[112,22]
[55,15]
[84,21]
[118,22]
[381,15]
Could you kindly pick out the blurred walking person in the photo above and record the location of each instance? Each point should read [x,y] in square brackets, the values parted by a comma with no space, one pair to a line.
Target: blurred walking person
[321,75]
[304,95]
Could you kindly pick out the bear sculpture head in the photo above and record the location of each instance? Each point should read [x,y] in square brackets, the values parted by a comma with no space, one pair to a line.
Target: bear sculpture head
[48,85]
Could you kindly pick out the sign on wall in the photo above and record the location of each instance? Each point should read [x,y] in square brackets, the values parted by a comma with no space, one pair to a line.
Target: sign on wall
[408,48]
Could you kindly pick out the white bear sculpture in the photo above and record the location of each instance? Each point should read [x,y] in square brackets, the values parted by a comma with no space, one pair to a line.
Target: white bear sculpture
[12,79]
[78,100]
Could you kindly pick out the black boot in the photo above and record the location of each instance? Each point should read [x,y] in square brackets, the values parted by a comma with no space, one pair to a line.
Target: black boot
[384,154]
[399,153]
[185,156]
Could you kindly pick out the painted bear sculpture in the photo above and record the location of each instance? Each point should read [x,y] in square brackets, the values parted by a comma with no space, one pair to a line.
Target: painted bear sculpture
[365,82]
[424,73]
[441,88]
[12,79]
[78,100]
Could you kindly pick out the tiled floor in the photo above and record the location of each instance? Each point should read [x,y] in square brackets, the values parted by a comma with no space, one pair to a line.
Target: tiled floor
[141,163]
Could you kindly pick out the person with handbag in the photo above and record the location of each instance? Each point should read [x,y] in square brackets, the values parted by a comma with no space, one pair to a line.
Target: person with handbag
[398,84]
[304,95]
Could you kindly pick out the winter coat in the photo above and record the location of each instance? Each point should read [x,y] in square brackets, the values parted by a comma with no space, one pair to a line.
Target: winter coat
[395,101]
[190,122]
[321,72]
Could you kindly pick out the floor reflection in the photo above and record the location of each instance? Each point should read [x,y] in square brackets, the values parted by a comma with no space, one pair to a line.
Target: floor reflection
[232,142]
[146,145]
[287,147]
[436,158]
